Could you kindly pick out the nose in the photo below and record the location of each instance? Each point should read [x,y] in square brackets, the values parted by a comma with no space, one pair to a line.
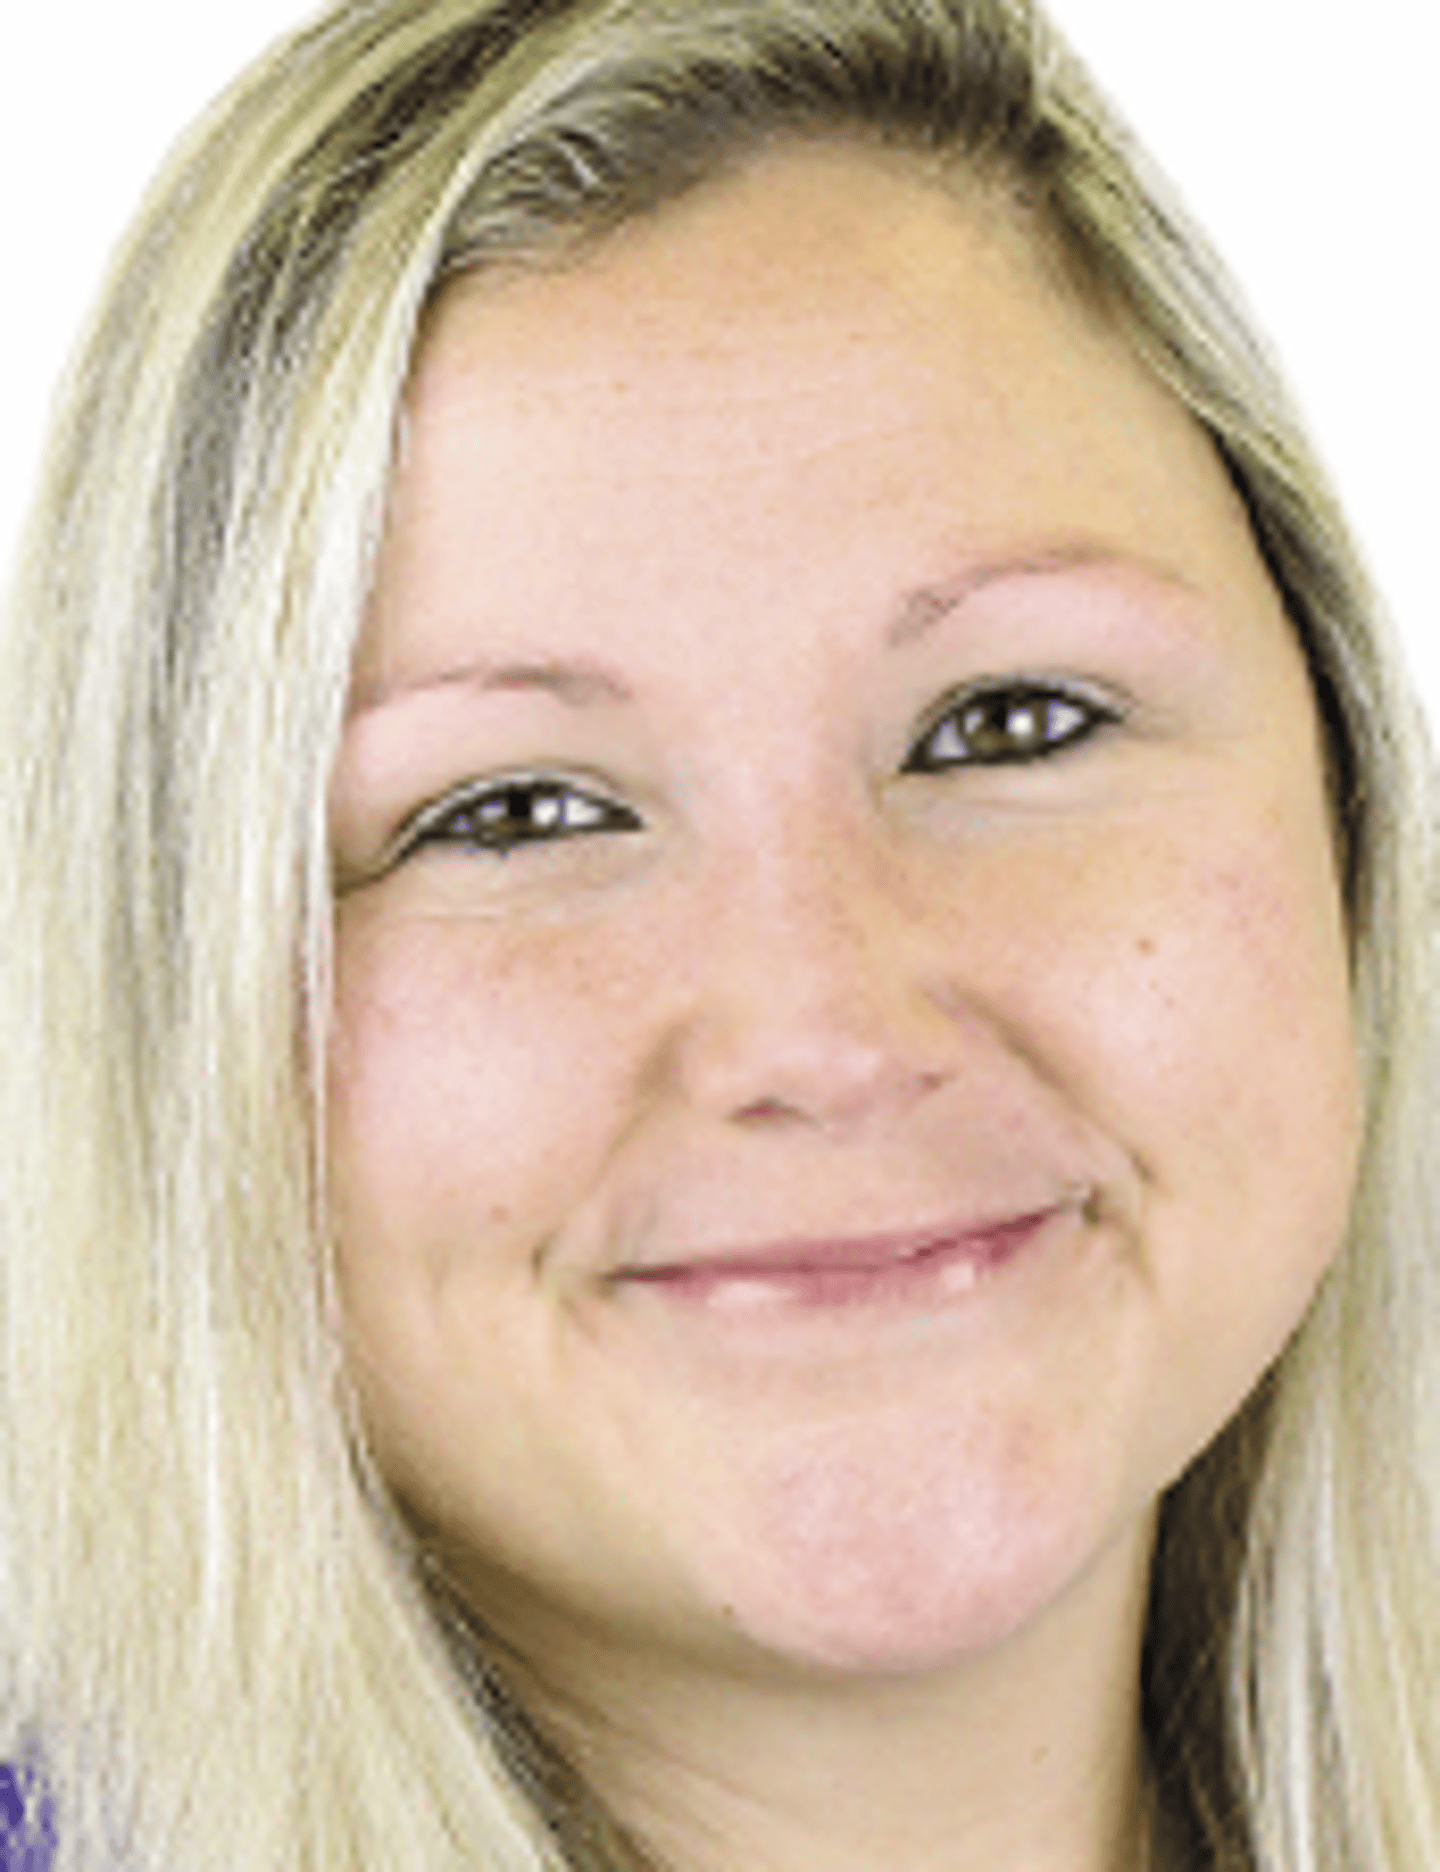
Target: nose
[817,1000]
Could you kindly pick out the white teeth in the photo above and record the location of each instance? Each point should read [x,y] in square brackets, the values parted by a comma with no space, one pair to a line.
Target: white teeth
[755,1293]
[745,1296]
[959,1276]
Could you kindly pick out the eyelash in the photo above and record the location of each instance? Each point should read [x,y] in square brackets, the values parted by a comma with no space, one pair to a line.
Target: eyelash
[1040,720]
[500,816]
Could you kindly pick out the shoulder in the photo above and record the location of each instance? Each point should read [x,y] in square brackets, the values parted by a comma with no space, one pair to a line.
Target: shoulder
[27,1819]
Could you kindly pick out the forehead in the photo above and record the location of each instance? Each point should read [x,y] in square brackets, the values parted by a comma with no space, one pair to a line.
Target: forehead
[793,261]
[800,356]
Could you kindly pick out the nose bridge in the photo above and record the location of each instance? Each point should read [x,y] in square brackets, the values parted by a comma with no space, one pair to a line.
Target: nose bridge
[811,999]
[813,896]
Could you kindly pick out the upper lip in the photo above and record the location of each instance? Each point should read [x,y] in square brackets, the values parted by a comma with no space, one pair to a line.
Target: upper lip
[843,1253]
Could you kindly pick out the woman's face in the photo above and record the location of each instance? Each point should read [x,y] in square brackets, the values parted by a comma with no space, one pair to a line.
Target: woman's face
[843,1069]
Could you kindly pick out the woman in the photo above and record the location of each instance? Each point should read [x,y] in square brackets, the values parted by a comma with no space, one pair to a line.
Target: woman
[718,991]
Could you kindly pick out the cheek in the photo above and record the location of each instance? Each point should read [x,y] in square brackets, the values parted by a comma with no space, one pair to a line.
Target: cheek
[477,1092]
[474,1091]
[1223,1059]
[1234,1015]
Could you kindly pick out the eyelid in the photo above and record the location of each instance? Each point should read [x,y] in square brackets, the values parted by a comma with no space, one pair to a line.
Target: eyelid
[1103,702]
[419,826]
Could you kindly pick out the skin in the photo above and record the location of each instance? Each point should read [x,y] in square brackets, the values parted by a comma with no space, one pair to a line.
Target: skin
[712,524]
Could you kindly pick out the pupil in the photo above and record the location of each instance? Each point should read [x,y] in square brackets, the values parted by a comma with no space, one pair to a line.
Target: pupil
[1025,723]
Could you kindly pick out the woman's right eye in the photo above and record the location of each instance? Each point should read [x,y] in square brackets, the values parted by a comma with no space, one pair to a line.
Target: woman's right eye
[499,817]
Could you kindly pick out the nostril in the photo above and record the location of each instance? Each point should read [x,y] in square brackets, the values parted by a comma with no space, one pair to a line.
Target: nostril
[824,1080]
[814,1003]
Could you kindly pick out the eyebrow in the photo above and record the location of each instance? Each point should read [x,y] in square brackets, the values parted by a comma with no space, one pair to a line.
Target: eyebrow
[577,682]
[583,683]
[921,610]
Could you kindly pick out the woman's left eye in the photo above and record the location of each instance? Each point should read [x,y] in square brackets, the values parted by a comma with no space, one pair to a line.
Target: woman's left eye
[1006,726]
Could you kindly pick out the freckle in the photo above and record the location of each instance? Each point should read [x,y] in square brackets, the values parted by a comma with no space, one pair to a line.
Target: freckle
[1146,945]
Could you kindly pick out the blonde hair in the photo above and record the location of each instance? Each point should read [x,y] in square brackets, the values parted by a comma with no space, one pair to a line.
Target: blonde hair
[211,1623]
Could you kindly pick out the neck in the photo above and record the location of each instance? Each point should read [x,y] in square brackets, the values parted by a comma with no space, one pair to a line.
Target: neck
[1029,1757]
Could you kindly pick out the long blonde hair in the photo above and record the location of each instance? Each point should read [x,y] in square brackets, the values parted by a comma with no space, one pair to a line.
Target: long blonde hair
[213,1628]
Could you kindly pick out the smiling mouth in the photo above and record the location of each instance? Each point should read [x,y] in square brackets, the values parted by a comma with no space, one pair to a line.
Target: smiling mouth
[896,1269]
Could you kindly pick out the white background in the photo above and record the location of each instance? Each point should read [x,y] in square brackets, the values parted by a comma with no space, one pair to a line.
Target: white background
[1300,130]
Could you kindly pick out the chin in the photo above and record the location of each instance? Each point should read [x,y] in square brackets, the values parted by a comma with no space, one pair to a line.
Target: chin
[913,1566]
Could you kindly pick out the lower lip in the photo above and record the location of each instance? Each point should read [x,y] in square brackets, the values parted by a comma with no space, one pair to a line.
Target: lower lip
[946,1269]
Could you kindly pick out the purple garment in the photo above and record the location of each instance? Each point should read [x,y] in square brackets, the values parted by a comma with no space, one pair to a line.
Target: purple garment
[27,1819]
